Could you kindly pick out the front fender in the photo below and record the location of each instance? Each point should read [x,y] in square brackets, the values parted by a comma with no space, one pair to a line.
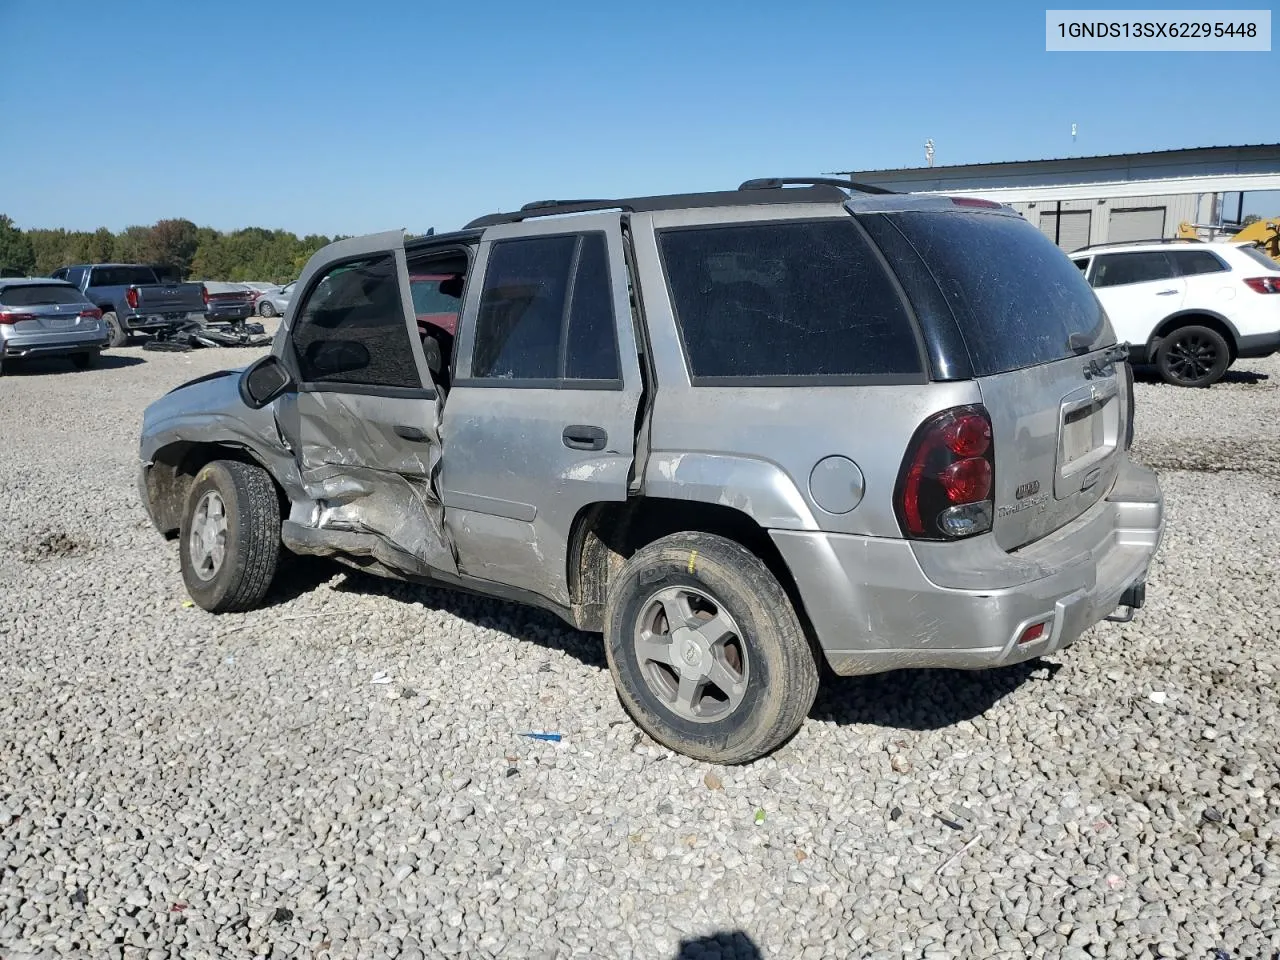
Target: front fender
[760,489]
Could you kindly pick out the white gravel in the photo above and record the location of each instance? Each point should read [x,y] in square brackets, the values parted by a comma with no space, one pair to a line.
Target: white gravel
[178,785]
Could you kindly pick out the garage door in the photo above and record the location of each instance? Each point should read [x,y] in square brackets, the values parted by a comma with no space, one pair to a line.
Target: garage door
[1126,226]
[1068,229]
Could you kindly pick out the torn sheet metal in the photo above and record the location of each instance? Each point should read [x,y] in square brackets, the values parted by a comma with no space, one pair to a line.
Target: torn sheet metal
[369,463]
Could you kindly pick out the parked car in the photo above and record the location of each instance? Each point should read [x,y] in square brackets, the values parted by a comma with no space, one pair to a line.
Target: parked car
[227,302]
[734,432]
[132,299]
[43,317]
[11,272]
[275,303]
[1191,308]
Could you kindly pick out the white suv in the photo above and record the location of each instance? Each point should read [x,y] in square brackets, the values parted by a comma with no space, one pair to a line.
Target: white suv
[1191,308]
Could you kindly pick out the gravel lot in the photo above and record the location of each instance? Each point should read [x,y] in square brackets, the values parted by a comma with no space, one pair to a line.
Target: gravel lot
[175,784]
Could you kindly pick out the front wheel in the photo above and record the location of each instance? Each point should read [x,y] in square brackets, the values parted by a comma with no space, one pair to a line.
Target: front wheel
[1193,357]
[229,540]
[706,650]
[117,336]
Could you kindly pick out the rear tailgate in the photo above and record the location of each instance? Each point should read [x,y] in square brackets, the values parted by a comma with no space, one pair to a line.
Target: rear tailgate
[164,298]
[1041,349]
[1058,436]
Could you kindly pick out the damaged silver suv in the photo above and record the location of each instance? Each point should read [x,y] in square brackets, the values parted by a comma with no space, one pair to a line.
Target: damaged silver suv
[737,433]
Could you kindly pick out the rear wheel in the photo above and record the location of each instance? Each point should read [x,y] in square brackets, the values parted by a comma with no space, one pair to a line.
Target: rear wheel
[117,336]
[87,360]
[1193,356]
[266,309]
[707,653]
[229,540]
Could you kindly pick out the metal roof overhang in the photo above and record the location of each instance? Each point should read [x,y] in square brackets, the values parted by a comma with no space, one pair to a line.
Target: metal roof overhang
[1219,183]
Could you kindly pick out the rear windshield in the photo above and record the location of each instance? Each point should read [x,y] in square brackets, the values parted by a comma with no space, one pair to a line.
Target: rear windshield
[39,294]
[121,276]
[1259,255]
[1018,298]
[786,300]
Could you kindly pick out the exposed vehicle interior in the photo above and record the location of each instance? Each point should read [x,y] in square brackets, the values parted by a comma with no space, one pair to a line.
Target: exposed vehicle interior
[437,283]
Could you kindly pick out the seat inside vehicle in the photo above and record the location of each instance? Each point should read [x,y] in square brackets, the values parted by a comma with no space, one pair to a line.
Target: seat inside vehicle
[437,283]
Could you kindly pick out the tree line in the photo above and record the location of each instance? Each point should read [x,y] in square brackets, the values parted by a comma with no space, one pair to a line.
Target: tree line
[199,253]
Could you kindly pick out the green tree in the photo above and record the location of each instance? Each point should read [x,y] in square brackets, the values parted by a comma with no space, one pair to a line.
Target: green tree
[173,243]
[133,245]
[15,247]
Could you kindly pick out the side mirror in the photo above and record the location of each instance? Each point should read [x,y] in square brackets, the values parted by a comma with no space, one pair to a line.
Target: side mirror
[263,381]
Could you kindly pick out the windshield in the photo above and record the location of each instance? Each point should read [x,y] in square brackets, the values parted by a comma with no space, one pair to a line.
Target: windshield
[39,295]
[427,297]
[1019,299]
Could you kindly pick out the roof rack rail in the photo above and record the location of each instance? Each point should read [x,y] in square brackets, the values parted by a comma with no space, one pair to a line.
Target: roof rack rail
[774,183]
[815,192]
[1132,243]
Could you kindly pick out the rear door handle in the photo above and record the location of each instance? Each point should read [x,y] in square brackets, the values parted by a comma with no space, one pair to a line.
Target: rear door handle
[406,432]
[1165,293]
[584,437]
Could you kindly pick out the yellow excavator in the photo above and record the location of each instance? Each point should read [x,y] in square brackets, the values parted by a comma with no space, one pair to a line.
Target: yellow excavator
[1265,233]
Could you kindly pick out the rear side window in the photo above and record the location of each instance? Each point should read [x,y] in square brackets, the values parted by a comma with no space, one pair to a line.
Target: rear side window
[1118,269]
[352,330]
[1253,253]
[121,276]
[1192,262]
[39,295]
[546,311]
[1018,299]
[786,300]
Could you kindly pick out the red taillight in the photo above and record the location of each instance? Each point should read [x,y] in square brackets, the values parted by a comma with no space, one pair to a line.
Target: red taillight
[967,481]
[204,292]
[10,316]
[93,313]
[131,298]
[975,202]
[944,489]
[1263,284]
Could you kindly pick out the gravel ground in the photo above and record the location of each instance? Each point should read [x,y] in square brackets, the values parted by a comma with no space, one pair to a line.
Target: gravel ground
[180,785]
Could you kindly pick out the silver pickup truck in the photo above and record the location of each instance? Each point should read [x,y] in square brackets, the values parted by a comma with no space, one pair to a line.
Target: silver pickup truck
[737,433]
[133,299]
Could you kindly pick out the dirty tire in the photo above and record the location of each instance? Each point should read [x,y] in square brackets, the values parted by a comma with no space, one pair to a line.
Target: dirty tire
[782,673]
[266,309]
[86,361]
[117,335]
[252,537]
[1193,356]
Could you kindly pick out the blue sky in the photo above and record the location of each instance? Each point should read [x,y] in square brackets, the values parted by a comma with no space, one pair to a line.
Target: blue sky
[324,117]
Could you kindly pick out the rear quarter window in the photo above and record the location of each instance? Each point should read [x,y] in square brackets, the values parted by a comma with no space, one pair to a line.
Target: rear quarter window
[1018,299]
[784,301]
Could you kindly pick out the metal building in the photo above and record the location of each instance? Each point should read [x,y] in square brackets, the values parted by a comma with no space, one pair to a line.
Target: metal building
[1079,201]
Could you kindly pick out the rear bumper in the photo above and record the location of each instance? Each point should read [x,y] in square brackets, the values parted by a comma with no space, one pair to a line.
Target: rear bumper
[52,343]
[154,321]
[880,604]
[239,311]
[1258,345]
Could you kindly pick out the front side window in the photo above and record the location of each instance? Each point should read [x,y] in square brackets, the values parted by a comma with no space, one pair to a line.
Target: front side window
[789,299]
[546,311]
[1118,269]
[351,328]
[1193,262]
